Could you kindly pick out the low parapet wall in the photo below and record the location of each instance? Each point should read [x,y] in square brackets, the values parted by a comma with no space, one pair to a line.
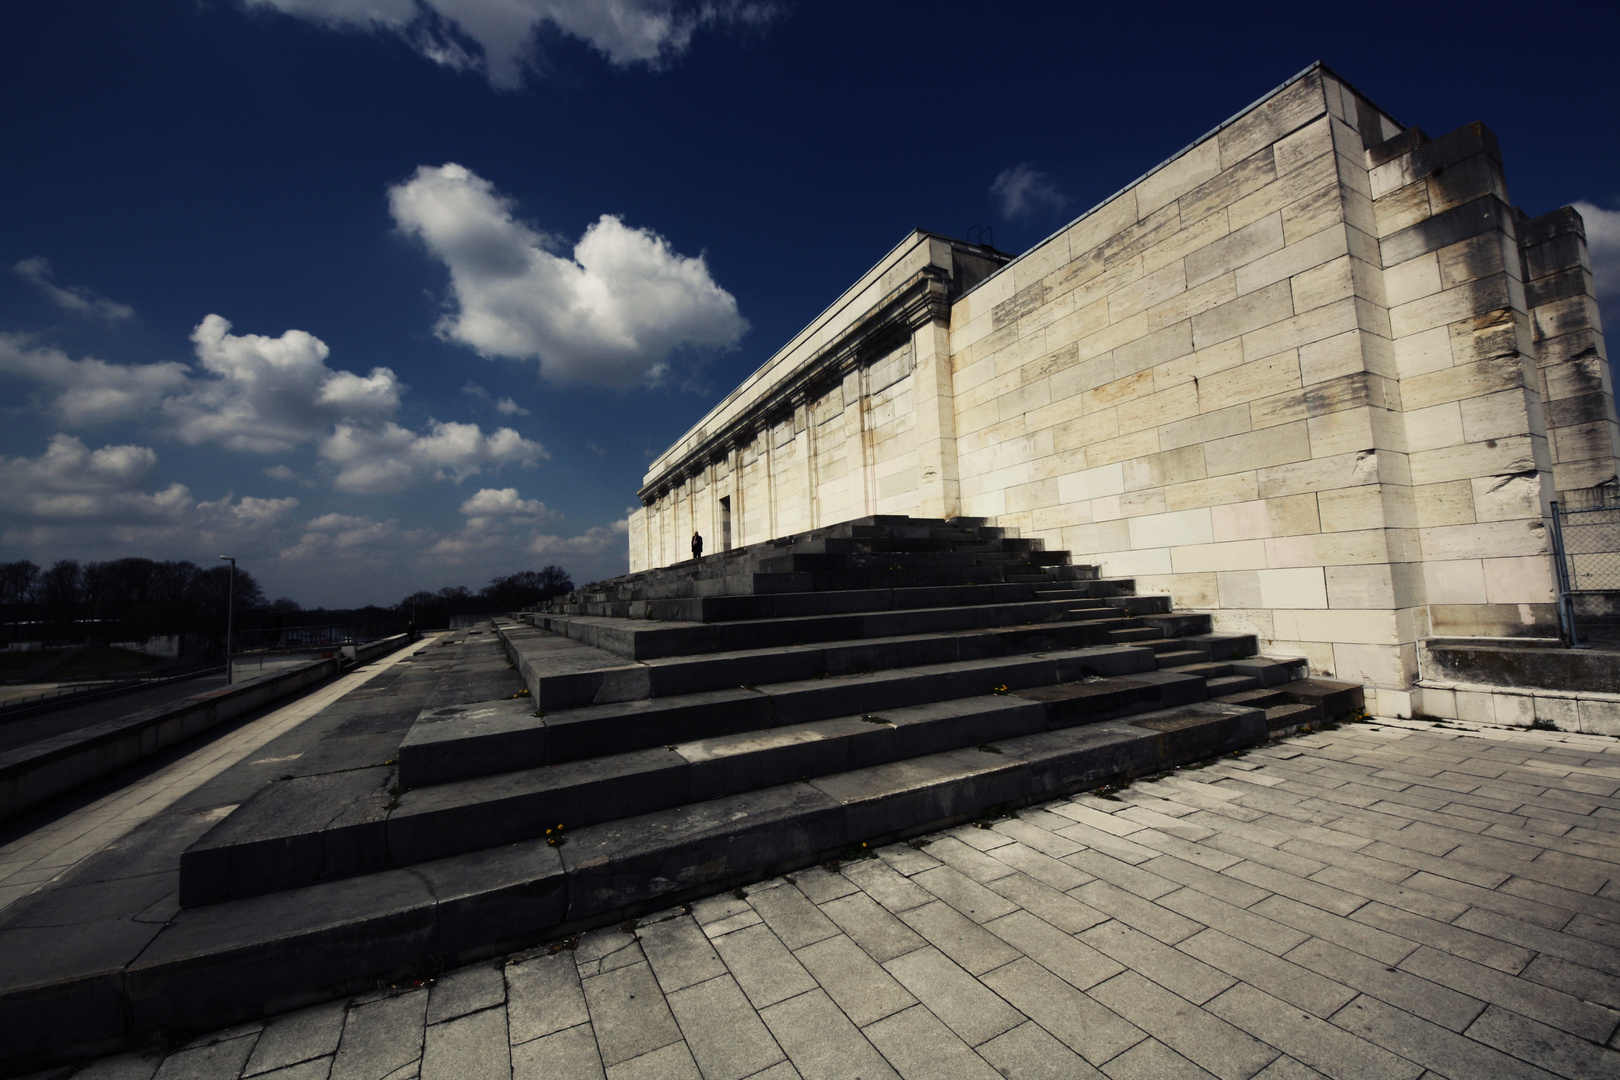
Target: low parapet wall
[38,771]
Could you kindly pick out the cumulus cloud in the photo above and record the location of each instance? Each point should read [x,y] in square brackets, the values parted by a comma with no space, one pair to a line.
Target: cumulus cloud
[270,394]
[590,542]
[253,393]
[261,394]
[505,406]
[352,540]
[1603,242]
[1024,189]
[612,312]
[503,502]
[71,482]
[89,391]
[500,37]
[388,458]
[74,298]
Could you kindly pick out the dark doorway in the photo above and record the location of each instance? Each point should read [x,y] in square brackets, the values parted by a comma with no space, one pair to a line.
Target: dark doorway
[725,523]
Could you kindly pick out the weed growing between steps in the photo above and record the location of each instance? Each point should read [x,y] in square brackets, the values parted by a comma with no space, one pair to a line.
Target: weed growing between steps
[1111,790]
[853,853]
[989,817]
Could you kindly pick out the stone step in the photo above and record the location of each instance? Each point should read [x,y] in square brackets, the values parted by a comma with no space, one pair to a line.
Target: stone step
[645,639]
[1222,685]
[829,562]
[698,606]
[1285,717]
[1175,626]
[562,674]
[903,578]
[501,736]
[1332,699]
[1260,697]
[716,609]
[378,929]
[271,843]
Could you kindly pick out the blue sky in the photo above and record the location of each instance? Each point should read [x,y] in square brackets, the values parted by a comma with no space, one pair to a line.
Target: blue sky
[381,295]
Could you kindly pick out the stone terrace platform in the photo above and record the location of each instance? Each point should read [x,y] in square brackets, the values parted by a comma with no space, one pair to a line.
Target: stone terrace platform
[855,687]
[1372,902]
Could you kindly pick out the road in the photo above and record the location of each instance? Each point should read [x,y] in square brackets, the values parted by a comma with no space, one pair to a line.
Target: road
[33,728]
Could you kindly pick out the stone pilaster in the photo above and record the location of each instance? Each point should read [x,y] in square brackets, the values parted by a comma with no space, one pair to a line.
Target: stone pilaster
[939,483]
[1573,368]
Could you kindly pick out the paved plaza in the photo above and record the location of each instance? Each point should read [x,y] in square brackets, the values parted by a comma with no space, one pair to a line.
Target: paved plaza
[1376,901]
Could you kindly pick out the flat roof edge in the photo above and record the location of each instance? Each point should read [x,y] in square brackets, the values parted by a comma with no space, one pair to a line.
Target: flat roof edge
[1313,66]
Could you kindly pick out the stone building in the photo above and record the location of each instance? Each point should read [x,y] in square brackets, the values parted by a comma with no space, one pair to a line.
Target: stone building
[1313,374]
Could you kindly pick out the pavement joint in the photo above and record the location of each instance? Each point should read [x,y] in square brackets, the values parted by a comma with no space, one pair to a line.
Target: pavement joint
[1160,933]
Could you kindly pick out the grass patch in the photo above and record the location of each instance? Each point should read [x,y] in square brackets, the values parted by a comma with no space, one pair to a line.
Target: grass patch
[106,660]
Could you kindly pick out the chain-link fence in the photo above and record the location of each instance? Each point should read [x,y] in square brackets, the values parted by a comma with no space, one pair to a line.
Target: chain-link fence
[1586,542]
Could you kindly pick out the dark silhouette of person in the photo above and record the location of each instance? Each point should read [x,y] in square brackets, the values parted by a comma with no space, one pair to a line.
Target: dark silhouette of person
[697,545]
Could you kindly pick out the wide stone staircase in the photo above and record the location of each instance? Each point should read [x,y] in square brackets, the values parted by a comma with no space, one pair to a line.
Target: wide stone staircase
[774,706]
[680,731]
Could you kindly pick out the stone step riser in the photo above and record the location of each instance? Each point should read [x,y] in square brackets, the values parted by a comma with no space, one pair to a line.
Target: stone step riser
[736,572]
[455,819]
[863,562]
[636,681]
[697,606]
[453,745]
[353,935]
[844,580]
[722,609]
[649,641]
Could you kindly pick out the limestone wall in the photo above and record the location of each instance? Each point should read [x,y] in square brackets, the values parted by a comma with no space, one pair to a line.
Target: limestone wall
[1314,374]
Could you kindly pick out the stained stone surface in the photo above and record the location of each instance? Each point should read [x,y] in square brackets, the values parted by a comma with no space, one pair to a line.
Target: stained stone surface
[1372,901]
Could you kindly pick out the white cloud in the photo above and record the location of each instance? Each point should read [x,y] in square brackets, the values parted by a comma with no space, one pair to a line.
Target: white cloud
[612,314]
[386,458]
[74,298]
[505,406]
[504,502]
[248,512]
[1024,189]
[270,394]
[90,391]
[590,542]
[1603,242]
[259,394]
[353,541]
[499,37]
[71,482]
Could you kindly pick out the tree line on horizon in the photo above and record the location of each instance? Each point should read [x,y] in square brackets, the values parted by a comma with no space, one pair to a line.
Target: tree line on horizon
[133,599]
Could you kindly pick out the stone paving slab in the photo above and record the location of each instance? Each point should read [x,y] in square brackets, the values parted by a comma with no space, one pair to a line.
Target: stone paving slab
[1281,915]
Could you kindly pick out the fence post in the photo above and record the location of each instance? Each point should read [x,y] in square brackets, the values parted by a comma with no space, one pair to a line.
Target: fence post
[1566,603]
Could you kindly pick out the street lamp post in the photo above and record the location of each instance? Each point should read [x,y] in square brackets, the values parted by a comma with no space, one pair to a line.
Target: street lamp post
[230,616]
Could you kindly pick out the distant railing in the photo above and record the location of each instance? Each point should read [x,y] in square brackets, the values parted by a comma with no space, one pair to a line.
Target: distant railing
[309,637]
[1586,555]
[93,688]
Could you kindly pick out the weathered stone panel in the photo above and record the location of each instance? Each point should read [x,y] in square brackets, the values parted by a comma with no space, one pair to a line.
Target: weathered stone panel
[1314,374]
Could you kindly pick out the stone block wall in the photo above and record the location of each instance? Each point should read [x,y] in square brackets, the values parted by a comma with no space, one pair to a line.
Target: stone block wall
[1314,375]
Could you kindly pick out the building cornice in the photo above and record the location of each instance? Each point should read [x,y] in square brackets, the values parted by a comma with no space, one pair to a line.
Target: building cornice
[921,299]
